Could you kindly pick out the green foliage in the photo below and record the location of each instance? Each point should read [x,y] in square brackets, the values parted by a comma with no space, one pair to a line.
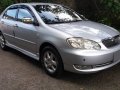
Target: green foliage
[112,6]
[47,1]
[110,12]
[5,3]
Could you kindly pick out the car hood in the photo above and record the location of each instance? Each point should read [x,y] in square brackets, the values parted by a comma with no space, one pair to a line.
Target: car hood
[86,29]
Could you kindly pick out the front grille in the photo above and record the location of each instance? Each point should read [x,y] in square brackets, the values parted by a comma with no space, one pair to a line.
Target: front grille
[110,42]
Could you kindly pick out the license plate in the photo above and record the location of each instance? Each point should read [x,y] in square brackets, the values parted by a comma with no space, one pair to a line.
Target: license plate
[117,55]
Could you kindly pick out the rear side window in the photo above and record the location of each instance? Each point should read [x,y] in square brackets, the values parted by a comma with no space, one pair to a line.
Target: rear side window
[24,13]
[10,14]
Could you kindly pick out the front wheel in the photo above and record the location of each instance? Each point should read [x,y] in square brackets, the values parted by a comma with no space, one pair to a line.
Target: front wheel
[52,62]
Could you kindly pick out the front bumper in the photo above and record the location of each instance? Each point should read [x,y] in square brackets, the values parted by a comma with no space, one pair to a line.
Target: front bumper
[97,60]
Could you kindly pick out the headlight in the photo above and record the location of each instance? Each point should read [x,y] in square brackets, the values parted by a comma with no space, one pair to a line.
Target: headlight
[83,43]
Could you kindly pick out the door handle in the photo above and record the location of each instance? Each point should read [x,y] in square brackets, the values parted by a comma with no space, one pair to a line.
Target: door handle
[15,25]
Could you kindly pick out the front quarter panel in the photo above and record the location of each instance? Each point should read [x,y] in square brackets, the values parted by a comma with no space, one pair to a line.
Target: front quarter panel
[55,37]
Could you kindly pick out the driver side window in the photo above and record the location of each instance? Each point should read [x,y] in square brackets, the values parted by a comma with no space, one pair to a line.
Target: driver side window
[24,13]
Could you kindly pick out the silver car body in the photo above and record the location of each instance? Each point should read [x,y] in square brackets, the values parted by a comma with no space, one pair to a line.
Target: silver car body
[29,39]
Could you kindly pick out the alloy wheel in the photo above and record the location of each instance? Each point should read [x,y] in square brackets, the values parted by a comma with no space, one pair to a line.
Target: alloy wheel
[50,61]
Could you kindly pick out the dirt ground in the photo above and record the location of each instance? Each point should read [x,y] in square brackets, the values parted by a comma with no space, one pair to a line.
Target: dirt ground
[19,72]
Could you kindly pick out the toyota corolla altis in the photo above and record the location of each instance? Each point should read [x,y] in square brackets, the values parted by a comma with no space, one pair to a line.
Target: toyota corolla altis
[59,37]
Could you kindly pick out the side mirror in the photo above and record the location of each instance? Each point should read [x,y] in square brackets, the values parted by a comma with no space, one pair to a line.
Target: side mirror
[30,21]
[27,20]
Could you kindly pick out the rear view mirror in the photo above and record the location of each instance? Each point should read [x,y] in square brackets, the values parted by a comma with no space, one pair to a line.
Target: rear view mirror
[30,21]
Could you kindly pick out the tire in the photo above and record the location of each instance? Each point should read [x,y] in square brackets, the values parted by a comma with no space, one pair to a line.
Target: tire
[52,62]
[2,42]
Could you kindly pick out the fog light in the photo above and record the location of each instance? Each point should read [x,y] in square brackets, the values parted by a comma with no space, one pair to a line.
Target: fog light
[82,67]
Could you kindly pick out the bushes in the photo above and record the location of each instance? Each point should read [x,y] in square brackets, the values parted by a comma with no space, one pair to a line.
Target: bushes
[110,13]
[4,4]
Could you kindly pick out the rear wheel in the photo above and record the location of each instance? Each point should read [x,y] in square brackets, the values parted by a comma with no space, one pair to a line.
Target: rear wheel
[52,62]
[2,42]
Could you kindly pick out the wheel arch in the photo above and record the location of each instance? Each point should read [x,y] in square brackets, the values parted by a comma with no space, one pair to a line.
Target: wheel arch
[43,45]
[1,32]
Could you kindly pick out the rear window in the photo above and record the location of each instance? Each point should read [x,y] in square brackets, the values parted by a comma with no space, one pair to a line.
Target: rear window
[10,14]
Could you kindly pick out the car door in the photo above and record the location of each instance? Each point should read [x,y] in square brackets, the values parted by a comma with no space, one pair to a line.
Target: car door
[25,34]
[7,21]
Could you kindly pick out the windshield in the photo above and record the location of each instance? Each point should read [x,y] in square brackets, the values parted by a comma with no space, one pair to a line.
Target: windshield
[52,14]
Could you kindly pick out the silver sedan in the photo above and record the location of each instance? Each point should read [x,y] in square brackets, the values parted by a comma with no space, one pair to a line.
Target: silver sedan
[59,37]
